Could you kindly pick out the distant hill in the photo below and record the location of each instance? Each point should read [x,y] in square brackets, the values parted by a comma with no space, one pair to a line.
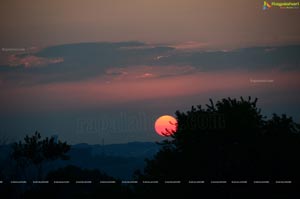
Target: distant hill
[117,160]
[132,149]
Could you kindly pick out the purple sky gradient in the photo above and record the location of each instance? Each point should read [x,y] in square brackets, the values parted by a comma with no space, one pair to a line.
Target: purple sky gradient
[189,51]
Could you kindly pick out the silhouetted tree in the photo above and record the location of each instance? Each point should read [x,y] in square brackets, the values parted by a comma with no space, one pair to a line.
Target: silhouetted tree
[229,140]
[35,150]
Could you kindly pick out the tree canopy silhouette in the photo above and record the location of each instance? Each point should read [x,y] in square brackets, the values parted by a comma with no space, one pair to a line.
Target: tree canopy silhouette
[35,150]
[229,140]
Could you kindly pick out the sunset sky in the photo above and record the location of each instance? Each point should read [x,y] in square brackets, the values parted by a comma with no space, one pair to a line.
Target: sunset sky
[89,70]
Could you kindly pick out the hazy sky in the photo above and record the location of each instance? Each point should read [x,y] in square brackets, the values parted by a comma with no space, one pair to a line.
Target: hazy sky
[217,23]
[90,70]
[114,91]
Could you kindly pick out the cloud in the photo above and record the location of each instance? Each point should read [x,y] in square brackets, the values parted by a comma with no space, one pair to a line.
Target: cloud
[32,61]
[146,75]
[189,45]
[132,73]
[136,60]
[253,59]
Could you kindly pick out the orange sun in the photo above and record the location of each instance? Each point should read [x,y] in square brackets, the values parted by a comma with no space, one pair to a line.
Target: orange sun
[165,125]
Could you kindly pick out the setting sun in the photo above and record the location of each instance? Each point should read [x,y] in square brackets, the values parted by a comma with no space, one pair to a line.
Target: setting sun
[165,125]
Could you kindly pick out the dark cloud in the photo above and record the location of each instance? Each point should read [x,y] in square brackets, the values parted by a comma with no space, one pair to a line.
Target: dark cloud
[256,58]
[83,60]
[74,62]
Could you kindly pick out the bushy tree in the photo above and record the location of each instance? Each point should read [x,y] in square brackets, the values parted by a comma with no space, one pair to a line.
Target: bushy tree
[229,140]
[35,150]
